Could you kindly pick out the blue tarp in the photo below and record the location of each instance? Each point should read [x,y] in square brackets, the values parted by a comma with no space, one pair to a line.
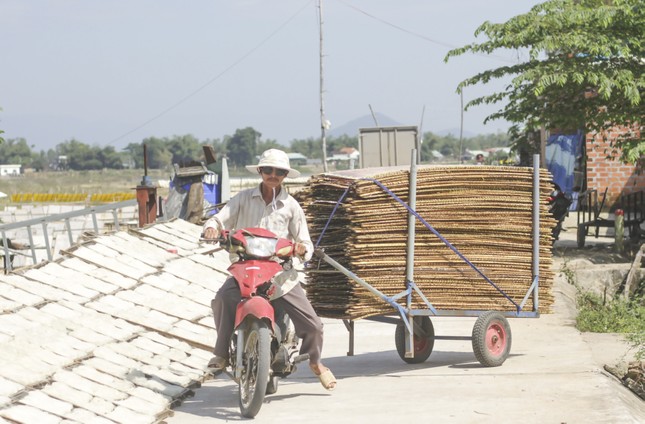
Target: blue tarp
[562,152]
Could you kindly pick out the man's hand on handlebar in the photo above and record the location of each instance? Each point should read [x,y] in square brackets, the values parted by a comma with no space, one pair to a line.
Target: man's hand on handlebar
[300,249]
[210,234]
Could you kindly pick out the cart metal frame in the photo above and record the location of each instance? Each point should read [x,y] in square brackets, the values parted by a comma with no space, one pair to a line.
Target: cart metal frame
[407,313]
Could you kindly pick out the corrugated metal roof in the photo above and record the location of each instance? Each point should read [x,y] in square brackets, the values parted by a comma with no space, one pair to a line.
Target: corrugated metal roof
[117,330]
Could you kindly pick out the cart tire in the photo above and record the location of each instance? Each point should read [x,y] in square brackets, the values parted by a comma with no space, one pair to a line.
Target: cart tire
[491,339]
[582,233]
[423,343]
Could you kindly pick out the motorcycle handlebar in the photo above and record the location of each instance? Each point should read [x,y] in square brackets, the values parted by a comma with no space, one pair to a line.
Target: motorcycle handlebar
[223,238]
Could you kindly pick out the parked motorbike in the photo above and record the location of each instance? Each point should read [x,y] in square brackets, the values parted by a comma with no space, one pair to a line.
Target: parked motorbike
[559,203]
[264,344]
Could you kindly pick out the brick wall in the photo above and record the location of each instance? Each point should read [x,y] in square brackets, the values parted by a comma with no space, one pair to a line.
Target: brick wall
[611,174]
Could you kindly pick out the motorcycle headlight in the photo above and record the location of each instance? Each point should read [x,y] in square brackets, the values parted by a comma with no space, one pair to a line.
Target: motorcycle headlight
[261,247]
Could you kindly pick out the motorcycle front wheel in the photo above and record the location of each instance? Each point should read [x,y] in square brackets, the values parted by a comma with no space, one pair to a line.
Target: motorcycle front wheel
[256,360]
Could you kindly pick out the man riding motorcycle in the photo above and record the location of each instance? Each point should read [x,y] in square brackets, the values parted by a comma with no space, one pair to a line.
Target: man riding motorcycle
[269,206]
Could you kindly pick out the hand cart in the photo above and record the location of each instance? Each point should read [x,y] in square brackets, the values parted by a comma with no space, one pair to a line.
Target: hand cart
[414,335]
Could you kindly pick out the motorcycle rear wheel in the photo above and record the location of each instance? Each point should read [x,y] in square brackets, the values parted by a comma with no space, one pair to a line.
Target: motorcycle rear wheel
[256,361]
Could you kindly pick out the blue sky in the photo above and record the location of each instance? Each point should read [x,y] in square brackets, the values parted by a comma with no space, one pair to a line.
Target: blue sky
[115,72]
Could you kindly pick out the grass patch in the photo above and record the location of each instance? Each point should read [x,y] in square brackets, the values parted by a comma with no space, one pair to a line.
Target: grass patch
[91,182]
[617,316]
[568,273]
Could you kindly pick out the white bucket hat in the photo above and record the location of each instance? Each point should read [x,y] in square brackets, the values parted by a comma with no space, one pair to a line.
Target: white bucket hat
[277,159]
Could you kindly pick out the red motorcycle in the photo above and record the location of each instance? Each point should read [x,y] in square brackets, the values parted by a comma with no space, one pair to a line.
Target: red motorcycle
[264,343]
[559,203]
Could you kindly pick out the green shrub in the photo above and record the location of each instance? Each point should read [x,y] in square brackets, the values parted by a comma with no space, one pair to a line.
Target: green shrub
[616,316]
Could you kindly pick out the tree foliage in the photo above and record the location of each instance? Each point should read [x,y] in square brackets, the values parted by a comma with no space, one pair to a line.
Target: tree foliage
[584,69]
[184,150]
[450,146]
[268,144]
[242,146]
[157,154]
[15,151]
[310,147]
[81,156]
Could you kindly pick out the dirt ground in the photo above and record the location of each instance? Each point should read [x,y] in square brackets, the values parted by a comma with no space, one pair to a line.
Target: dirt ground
[610,350]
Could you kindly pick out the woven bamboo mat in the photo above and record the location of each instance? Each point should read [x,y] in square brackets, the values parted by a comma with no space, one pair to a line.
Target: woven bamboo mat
[484,212]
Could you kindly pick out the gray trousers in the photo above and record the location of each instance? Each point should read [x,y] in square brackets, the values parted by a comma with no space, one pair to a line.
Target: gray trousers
[308,326]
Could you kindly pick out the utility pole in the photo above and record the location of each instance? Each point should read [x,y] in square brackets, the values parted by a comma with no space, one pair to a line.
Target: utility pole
[461,129]
[324,123]
[543,137]
[374,116]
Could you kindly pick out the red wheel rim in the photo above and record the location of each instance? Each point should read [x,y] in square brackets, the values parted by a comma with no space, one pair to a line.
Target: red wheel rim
[496,338]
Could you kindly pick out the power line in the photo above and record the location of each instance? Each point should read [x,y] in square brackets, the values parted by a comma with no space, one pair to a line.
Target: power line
[421,36]
[213,79]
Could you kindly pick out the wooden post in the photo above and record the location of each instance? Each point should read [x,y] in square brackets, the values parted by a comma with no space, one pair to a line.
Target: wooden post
[147,203]
[619,230]
[543,137]
[630,287]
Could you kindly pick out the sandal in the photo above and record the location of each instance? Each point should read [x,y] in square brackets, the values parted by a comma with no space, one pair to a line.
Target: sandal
[217,364]
[327,379]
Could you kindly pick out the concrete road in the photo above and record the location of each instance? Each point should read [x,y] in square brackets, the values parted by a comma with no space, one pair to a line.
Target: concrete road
[551,376]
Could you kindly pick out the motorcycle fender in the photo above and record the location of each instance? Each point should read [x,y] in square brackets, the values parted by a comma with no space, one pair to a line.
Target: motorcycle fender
[257,307]
[252,274]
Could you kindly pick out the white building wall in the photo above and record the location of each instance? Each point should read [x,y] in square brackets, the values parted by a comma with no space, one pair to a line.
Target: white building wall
[9,170]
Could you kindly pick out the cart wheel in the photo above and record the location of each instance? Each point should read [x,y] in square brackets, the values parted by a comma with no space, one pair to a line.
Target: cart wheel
[582,233]
[491,339]
[423,340]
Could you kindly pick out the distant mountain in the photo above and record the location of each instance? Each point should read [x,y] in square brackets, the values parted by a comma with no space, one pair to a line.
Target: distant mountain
[351,128]
[455,133]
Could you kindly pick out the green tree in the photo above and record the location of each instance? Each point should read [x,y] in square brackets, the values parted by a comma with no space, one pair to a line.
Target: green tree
[39,161]
[157,152]
[80,156]
[134,152]
[218,145]
[52,158]
[310,147]
[268,144]
[110,158]
[584,69]
[242,146]
[448,146]
[430,142]
[334,144]
[15,151]
[185,149]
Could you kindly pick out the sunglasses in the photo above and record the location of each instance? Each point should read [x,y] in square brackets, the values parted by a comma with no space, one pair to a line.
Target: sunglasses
[268,170]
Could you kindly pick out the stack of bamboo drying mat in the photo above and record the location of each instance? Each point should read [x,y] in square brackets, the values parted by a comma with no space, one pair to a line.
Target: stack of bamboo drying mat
[485,212]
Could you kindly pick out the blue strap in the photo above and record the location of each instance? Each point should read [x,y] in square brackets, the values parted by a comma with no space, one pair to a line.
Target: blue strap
[340,200]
